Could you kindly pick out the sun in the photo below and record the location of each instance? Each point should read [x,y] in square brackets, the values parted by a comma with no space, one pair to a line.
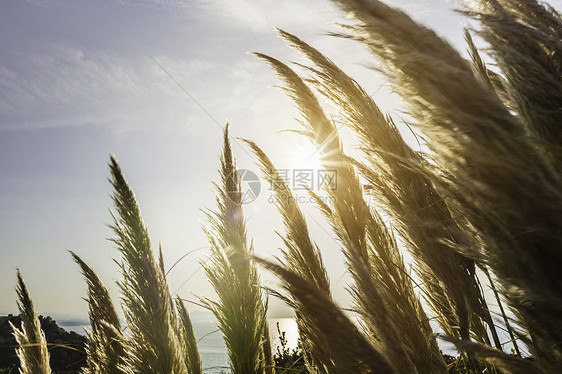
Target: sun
[305,169]
[306,156]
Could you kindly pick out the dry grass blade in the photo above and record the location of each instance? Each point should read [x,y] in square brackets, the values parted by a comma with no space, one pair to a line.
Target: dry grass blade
[153,346]
[105,345]
[511,364]
[241,310]
[350,351]
[493,80]
[32,351]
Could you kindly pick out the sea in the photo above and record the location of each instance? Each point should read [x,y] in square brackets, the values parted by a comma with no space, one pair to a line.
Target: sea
[211,345]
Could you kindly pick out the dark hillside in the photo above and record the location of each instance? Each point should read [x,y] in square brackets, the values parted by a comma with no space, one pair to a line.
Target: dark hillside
[66,348]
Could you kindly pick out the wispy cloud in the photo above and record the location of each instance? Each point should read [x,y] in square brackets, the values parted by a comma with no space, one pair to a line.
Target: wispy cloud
[175,5]
[59,85]
[263,15]
[250,15]
[41,3]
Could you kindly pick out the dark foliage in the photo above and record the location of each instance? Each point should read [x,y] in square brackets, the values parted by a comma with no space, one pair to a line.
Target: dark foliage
[288,360]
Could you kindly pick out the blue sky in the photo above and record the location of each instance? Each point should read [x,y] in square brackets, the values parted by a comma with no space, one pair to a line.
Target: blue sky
[82,79]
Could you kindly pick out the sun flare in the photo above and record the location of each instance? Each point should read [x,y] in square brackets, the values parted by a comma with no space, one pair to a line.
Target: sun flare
[306,156]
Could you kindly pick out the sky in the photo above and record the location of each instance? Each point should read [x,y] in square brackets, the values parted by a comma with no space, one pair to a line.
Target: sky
[153,82]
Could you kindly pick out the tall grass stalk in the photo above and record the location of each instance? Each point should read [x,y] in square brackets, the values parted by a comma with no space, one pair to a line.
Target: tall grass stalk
[383,291]
[188,339]
[525,43]
[241,308]
[154,343]
[350,351]
[105,345]
[32,346]
[418,212]
[302,256]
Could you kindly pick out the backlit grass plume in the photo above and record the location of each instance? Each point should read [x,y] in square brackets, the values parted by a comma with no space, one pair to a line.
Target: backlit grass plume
[187,338]
[503,181]
[350,351]
[105,342]
[383,290]
[493,80]
[525,40]
[241,307]
[302,256]
[486,194]
[408,196]
[32,346]
[154,344]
